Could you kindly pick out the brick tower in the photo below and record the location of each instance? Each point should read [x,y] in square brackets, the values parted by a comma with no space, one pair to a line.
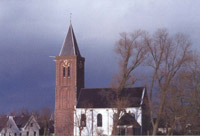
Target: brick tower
[69,81]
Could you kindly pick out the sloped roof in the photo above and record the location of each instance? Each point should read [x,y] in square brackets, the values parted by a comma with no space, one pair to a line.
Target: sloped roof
[128,120]
[70,46]
[21,120]
[105,97]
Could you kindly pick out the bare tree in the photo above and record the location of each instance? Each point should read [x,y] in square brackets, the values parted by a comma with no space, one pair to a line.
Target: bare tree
[174,114]
[79,122]
[167,57]
[3,123]
[132,53]
[194,77]
[20,112]
[84,119]
[44,119]
[183,102]
[192,91]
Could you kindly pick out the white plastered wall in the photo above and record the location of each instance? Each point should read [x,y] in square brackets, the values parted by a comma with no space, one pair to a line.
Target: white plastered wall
[107,120]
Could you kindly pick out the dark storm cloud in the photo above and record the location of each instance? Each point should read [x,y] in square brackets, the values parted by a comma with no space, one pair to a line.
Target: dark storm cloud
[33,30]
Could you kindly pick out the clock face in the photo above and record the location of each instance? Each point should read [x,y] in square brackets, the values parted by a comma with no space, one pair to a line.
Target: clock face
[66,63]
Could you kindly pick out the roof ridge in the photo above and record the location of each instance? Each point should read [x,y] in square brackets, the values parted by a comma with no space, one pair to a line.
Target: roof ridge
[96,88]
[72,38]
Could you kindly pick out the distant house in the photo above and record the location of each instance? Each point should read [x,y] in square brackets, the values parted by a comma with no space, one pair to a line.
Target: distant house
[192,129]
[127,125]
[19,126]
[163,127]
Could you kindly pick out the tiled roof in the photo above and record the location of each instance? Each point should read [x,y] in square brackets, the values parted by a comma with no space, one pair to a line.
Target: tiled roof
[105,97]
[21,120]
[70,46]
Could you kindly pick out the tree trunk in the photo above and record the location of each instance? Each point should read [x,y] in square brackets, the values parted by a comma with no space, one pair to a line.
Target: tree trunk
[161,107]
[45,131]
[80,131]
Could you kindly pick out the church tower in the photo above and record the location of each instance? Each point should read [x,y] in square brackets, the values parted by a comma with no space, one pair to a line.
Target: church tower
[69,81]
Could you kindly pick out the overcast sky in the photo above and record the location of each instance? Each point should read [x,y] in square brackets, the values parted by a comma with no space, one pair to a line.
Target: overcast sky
[33,30]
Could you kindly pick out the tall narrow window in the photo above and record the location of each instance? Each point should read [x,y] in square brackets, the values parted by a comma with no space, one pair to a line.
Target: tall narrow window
[99,120]
[83,120]
[27,133]
[34,133]
[68,71]
[63,71]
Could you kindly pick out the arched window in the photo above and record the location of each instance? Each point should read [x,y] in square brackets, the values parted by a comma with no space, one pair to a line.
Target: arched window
[99,120]
[63,71]
[68,71]
[83,120]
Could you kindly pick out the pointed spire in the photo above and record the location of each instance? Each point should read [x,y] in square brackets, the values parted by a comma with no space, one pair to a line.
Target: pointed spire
[70,46]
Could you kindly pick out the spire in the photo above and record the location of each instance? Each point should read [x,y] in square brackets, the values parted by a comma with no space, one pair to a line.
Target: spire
[70,46]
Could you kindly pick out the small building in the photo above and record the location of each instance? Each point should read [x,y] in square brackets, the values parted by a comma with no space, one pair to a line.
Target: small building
[19,126]
[127,125]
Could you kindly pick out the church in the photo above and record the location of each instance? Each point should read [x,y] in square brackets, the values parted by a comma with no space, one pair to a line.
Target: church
[81,111]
